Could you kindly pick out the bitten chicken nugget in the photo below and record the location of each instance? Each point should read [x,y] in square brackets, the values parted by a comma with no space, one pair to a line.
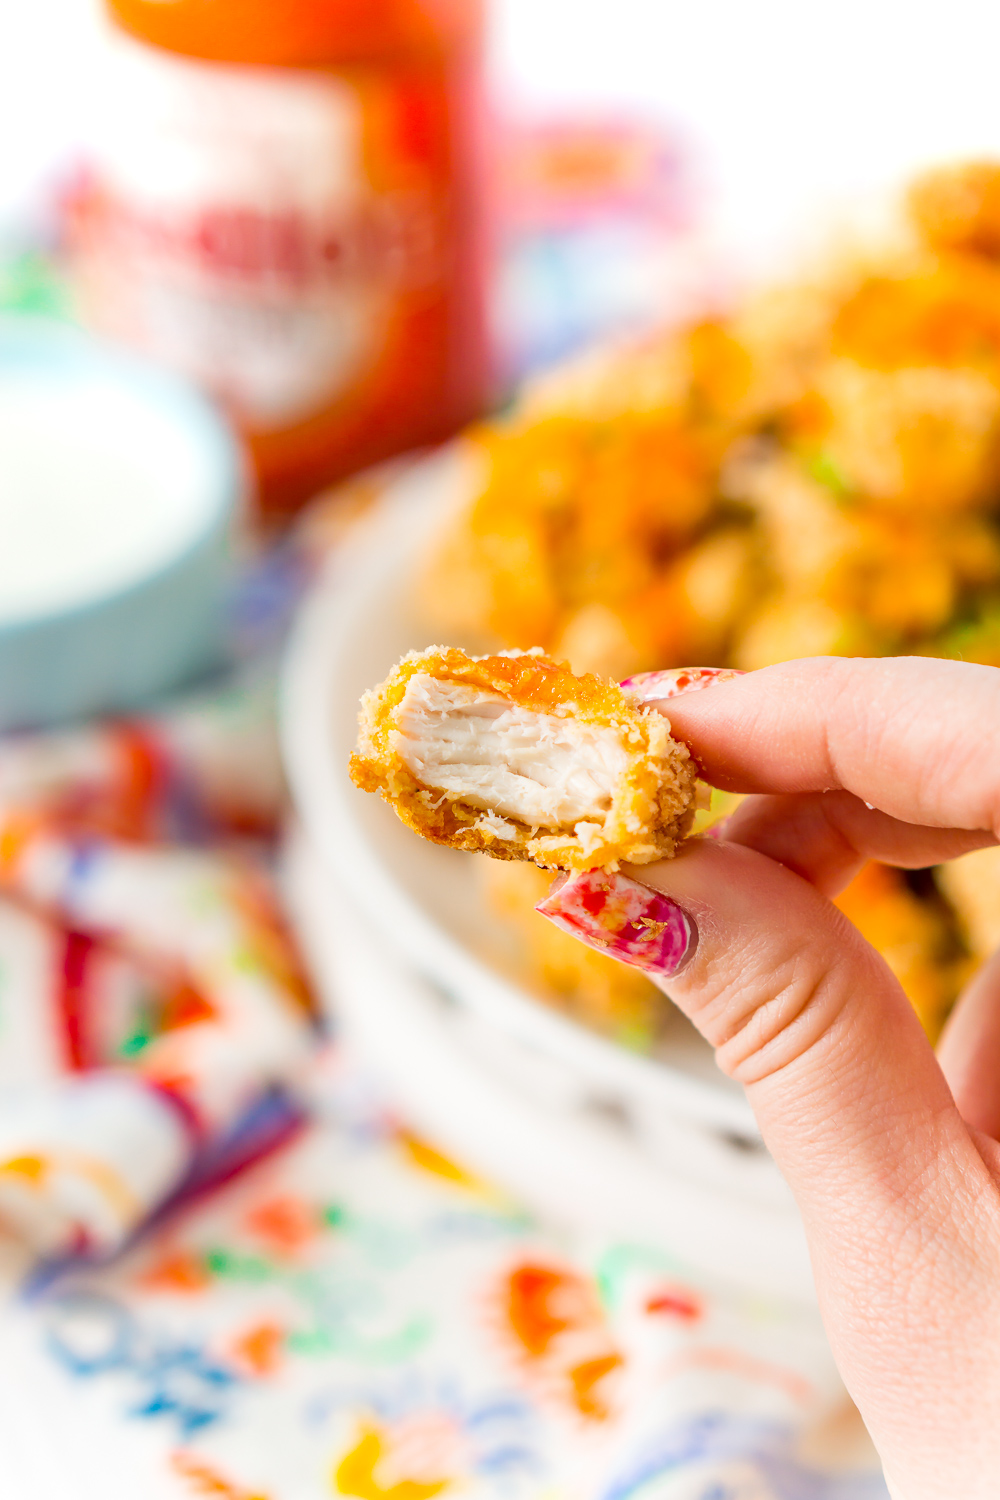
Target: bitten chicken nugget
[515,757]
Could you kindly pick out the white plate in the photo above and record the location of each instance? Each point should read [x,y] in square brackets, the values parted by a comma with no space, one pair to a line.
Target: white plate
[415,911]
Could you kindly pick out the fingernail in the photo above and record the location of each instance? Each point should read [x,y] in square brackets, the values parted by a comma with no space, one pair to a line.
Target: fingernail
[622,918]
[654,686]
[716,830]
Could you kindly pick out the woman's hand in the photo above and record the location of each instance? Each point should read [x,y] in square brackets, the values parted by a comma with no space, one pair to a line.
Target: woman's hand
[892,1153]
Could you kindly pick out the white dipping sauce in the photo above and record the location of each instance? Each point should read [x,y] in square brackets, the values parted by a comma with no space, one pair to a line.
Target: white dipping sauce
[99,489]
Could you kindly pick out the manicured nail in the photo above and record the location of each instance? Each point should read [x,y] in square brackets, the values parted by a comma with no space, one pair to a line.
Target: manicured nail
[655,686]
[623,919]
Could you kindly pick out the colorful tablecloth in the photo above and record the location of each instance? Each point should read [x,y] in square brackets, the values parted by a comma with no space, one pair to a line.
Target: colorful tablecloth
[234,1273]
[356,1316]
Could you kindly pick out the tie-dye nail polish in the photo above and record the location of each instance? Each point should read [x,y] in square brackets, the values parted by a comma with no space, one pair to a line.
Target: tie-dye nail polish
[652,687]
[622,918]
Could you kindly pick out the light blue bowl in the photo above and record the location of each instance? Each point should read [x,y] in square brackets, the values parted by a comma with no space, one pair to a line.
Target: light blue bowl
[127,625]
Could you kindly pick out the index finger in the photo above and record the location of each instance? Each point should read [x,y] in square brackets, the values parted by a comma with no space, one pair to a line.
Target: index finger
[913,736]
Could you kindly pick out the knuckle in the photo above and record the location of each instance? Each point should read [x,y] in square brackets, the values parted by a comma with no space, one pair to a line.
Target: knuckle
[787,1023]
[770,1011]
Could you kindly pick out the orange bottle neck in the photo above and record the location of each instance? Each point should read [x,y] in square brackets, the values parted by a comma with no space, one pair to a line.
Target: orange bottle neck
[301,33]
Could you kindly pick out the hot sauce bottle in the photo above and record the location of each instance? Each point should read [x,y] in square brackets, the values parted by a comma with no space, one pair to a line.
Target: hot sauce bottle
[278,199]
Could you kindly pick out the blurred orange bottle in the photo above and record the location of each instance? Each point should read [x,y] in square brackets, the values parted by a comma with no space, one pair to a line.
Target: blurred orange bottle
[279,199]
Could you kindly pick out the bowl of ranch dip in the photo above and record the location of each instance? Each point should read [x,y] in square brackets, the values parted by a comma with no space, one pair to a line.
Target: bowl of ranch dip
[119,489]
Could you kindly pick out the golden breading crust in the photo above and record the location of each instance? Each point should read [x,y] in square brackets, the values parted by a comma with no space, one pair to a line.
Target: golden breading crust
[651,791]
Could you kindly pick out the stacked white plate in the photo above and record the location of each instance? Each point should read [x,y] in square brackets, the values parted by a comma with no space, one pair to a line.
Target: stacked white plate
[411,961]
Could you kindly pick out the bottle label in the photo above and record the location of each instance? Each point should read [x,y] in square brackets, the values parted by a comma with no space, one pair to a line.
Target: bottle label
[238,224]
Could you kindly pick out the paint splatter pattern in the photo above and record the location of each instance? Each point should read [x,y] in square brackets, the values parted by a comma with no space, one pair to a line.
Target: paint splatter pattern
[358,1316]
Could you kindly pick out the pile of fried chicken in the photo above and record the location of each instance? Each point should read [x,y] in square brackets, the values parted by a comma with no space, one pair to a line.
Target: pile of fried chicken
[817,472]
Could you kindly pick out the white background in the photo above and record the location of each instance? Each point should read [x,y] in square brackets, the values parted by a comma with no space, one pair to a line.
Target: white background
[791,103]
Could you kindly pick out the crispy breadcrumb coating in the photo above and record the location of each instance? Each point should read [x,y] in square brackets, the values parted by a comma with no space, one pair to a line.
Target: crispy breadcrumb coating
[913,935]
[817,471]
[513,756]
[957,207]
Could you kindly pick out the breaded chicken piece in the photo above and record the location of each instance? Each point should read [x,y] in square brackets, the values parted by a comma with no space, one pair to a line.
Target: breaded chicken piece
[913,935]
[513,756]
[957,207]
[972,886]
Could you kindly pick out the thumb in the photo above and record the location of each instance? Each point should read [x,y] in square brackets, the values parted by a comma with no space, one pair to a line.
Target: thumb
[900,1208]
[801,1010]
